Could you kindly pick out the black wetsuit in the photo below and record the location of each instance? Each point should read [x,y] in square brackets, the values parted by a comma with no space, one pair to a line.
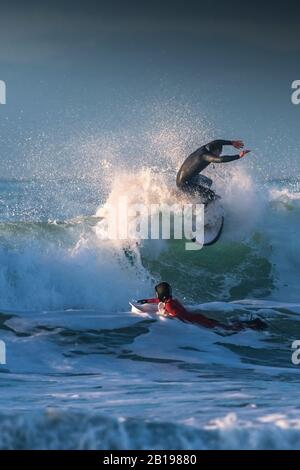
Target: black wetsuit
[187,177]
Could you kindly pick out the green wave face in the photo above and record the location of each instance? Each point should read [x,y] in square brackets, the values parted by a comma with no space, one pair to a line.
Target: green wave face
[227,270]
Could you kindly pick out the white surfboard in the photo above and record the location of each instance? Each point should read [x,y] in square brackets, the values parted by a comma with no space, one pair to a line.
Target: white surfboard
[143,309]
[213,223]
[212,233]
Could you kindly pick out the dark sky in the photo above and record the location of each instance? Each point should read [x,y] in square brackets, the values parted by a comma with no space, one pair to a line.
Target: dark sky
[71,66]
[39,30]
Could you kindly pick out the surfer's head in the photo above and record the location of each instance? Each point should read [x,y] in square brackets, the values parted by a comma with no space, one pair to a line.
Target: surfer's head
[163,291]
[215,148]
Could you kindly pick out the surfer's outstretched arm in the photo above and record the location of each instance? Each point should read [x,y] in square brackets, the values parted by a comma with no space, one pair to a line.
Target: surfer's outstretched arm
[148,301]
[212,158]
[238,144]
[219,142]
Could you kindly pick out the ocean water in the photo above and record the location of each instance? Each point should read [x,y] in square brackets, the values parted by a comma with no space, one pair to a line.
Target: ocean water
[83,372]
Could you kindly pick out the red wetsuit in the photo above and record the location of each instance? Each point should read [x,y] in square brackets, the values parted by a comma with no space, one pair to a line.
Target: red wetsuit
[175,309]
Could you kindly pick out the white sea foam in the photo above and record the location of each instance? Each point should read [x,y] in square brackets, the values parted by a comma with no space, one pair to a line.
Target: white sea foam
[72,430]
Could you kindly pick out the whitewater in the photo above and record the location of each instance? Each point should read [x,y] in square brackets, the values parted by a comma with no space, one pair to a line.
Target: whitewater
[84,372]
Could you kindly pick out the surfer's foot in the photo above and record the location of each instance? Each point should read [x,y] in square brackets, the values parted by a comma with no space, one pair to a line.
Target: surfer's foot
[256,324]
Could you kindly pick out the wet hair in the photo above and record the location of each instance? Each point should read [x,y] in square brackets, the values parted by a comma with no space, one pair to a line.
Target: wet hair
[163,291]
[215,147]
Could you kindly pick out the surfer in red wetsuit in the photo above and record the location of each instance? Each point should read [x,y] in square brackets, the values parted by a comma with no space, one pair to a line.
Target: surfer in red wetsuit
[173,308]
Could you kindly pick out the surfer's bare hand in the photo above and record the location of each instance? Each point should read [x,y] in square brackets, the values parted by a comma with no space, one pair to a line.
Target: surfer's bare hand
[238,144]
[244,152]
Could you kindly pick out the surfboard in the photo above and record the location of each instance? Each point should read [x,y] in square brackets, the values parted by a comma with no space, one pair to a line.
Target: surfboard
[143,309]
[213,224]
[212,233]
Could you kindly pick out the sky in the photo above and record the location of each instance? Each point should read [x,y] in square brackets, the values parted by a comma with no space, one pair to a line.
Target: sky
[82,72]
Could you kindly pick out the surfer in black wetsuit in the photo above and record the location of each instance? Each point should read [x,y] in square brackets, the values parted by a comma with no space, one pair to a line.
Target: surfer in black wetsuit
[188,178]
